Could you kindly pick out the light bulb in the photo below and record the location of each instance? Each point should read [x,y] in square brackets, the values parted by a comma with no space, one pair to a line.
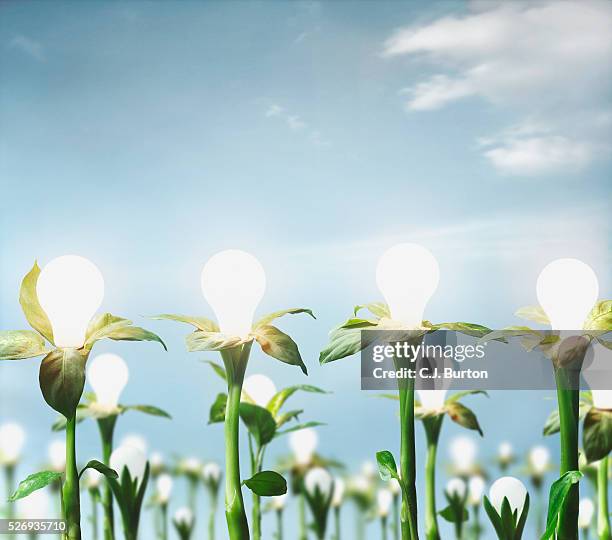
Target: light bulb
[432,400]
[463,452]
[456,487]
[184,516]
[92,478]
[602,399]
[37,505]
[476,486]
[192,465]
[56,453]
[211,472]
[407,275]
[319,479]
[303,444]
[369,469]
[259,388]
[539,458]
[156,460]
[130,457]
[586,509]
[233,283]
[278,501]
[12,438]
[137,441]
[70,290]
[163,485]
[510,488]
[360,483]
[339,489]
[505,451]
[394,486]
[567,289]
[384,500]
[107,374]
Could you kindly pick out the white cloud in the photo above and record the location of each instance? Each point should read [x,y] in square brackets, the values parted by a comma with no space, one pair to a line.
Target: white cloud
[296,123]
[28,46]
[274,110]
[549,60]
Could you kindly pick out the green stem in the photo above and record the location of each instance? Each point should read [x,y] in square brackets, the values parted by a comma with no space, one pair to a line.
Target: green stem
[70,490]
[303,534]
[383,525]
[94,513]
[432,427]
[192,494]
[568,397]
[476,526]
[9,473]
[256,462]
[106,427]
[212,515]
[603,513]
[361,524]
[396,516]
[235,361]
[539,510]
[279,524]
[164,521]
[337,523]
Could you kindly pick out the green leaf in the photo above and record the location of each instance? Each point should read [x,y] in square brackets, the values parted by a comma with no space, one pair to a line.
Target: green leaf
[509,332]
[533,313]
[217,368]
[556,499]
[287,417]
[297,427]
[597,434]
[259,421]
[34,313]
[279,345]
[134,333]
[607,344]
[552,424]
[267,484]
[101,468]
[33,483]
[459,395]
[600,317]
[469,329]
[452,515]
[520,526]
[83,412]
[463,416]
[494,517]
[148,409]
[387,467]
[217,410]
[62,378]
[359,323]
[281,396]
[343,342]
[267,319]
[211,341]
[379,309]
[20,344]
[101,324]
[201,323]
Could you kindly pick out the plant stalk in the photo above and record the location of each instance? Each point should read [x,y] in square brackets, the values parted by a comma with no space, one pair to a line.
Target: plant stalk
[212,515]
[432,427]
[396,516]
[94,513]
[106,427]
[337,522]
[383,525]
[9,475]
[603,512]
[164,521]
[70,489]
[476,528]
[279,524]
[303,533]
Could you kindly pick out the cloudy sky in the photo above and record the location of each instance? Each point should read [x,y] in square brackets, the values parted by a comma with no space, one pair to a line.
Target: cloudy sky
[146,136]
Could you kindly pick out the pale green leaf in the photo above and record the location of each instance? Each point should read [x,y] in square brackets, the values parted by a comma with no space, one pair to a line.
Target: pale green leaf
[201,323]
[279,345]
[35,482]
[533,313]
[267,319]
[33,311]
[20,344]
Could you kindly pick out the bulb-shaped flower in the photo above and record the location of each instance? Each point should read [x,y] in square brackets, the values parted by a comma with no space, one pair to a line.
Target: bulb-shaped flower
[339,489]
[394,487]
[70,290]
[156,461]
[259,388]
[586,510]
[360,483]
[192,466]
[303,444]
[369,469]
[233,283]
[463,451]
[512,489]
[432,400]
[476,486]
[456,487]
[56,452]
[163,486]
[318,479]
[184,516]
[539,459]
[92,478]
[211,473]
[505,451]
[12,439]
[384,500]
[602,399]
[278,502]
[130,457]
[108,375]
[407,275]
[136,441]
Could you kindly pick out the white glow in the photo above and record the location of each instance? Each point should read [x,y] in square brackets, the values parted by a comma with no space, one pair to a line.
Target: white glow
[432,400]
[511,488]
[131,457]
[476,487]
[163,486]
[92,478]
[586,510]
[339,489]
[70,290]
[192,465]
[360,483]
[384,500]
[303,444]
[184,516]
[369,469]
[407,275]
[37,505]
[567,289]
[463,451]
[318,478]
[156,460]
[259,388]
[108,375]
[233,283]
[12,438]
[56,452]
[505,451]
[602,399]
[539,459]
[278,501]
[211,472]
[457,487]
[137,441]
[394,486]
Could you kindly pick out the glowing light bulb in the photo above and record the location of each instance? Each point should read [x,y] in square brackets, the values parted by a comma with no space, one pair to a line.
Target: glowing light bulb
[157,461]
[505,451]
[130,457]
[369,470]
[539,459]
[384,500]
[233,283]
[92,478]
[56,452]
[137,441]
[70,290]
[12,438]
[163,485]
[259,388]
[463,452]
[303,444]
[108,375]
[394,487]
[360,483]
[407,275]
[192,465]
[339,489]
[432,400]
[456,487]
[602,399]
[184,516]
[586,510]
[567,289]
[476,486]
[319,479]
[278,502]
[211,472]
[510,488]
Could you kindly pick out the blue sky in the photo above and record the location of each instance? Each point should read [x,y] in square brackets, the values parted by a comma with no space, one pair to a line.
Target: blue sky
[147,136]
